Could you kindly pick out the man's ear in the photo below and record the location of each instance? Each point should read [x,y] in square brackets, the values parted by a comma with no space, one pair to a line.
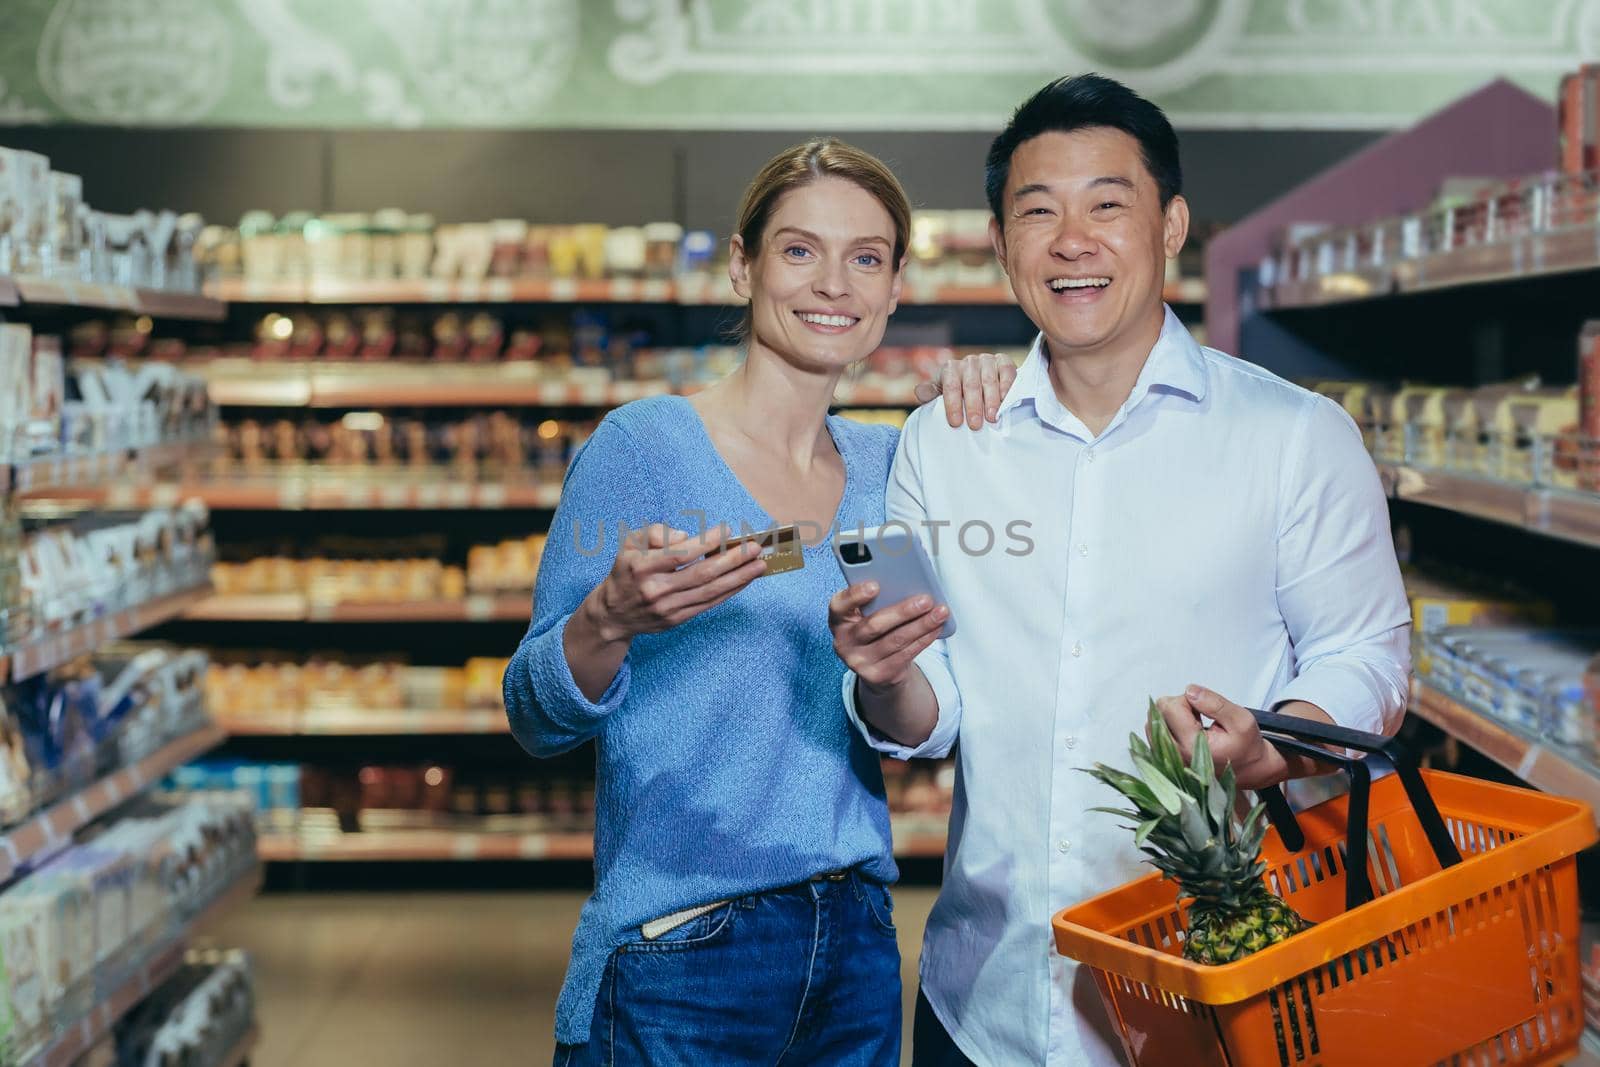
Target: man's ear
[997,238]
[739,267]
[1175,230]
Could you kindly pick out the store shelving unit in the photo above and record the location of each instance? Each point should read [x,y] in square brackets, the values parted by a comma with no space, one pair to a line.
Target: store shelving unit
[157,303]
[312,490]
[294,607]
[159,965]
[1568,515]
[56,824]
[424,845]
[42,653]
[1534,761]
[589,291]
[358,722]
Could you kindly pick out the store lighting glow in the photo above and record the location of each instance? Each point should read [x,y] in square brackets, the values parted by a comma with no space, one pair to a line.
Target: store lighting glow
[281,328]
[433,776]
[144,324]
[549,430]
[362,420]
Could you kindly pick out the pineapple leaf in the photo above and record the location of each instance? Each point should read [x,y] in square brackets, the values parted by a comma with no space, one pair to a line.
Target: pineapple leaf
[1144,831]
[1201,762]
[1166,753]
[1133,816]
[1197,833]
[1165,792]
[1128,786]
[1217,803]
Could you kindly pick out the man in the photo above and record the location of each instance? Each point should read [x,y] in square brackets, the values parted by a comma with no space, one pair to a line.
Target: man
[1170,520]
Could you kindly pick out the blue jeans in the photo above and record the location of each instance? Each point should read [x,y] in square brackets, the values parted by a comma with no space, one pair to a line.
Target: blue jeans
[809,974]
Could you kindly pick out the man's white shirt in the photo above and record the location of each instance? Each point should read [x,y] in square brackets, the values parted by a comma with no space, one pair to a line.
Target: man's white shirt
[1226,529]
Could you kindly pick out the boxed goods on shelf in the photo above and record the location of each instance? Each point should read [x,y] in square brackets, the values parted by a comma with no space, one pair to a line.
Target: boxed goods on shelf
[70,577]
[240,691]
[1578,117]
[201,1015]
[1531,679]
[52,233]
[93,715]
[508,566]
[74,928]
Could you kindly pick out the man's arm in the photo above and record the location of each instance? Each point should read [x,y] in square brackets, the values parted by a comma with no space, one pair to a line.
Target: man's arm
[1342,600]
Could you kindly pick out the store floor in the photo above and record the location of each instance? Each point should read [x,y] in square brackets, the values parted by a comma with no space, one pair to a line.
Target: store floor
[350,980]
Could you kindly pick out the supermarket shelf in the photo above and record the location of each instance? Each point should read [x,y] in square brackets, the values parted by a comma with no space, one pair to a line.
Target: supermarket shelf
[1524,755]
[43,653]
[322,492]
[155,302]
[1525,257]
[367,722]
[433,845]
[1588,1051]
[67,1048]
[248,383]
[241,891]
[1568,515]
[72,477]
[606,291]
[58,823]
[294,607]
[240,1052]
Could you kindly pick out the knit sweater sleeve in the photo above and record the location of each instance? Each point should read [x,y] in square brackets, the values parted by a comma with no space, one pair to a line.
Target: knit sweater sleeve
[604,496]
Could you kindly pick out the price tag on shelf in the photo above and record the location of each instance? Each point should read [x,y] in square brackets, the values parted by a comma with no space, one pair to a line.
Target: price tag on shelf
[492,495]
[563,290]
[358,494]
[319,610]
[292,495]
[533,846]
[499,290]
[1525,765]
[121,497]
[480,608]
[165,495]
[469,290]
[436,290]
[80,808]
[593,392]
[624,289]
[429,495]
[656,290]
[394,496]
[464,846]
[457,495]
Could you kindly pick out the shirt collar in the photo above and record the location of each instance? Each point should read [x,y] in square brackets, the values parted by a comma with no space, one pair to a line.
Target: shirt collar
[1176,364]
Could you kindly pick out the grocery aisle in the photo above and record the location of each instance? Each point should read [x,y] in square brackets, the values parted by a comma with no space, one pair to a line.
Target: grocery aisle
[424,979]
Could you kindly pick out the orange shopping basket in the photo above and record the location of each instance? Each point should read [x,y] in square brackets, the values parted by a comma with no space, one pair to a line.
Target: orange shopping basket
[1453,941]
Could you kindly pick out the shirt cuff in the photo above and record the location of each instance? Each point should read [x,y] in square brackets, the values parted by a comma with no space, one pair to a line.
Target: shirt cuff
[557,691]
[945,730]
[1348,701]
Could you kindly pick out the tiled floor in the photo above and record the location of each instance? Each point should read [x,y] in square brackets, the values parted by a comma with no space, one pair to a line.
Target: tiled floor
[429,979]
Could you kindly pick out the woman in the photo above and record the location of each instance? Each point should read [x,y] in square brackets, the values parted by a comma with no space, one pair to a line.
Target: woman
[742,852]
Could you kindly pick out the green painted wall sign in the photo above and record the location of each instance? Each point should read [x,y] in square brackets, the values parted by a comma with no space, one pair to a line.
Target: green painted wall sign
[791,64]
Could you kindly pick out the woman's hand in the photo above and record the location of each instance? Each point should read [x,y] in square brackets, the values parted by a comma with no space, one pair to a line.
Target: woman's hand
[880,647]
[654,586]
[972,387]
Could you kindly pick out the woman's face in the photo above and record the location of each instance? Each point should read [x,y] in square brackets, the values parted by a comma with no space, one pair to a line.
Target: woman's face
[823,283]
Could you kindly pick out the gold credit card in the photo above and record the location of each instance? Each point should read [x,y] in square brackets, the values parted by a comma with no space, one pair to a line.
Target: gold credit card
[780,547]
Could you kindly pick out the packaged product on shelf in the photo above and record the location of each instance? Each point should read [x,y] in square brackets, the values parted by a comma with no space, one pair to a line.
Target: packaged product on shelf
[20,201]
[47,396]
[30,975]
[1588,443]
[64,234]
[1539,418]
[16,358]
[625,252]
[662,240]
[198,1016]
[1532,679]
[1578,116]
[508,238]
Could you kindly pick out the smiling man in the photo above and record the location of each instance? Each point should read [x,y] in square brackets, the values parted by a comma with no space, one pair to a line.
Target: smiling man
[1199,528]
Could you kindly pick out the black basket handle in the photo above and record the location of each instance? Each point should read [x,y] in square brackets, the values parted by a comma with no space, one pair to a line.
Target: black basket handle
[1304,737]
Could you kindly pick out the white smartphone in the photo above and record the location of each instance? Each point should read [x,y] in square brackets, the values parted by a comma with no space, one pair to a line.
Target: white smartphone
[892,557]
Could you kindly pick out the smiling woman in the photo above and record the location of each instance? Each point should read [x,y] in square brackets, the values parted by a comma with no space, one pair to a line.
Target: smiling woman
[726,874]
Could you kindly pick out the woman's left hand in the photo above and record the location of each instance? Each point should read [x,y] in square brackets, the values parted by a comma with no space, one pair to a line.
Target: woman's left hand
[972,387]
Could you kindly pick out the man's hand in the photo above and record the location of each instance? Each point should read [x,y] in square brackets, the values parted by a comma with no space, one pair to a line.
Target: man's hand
[972,387]
[1235,736]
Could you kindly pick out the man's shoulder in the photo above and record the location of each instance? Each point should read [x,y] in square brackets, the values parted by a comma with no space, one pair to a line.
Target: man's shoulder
[1238,381]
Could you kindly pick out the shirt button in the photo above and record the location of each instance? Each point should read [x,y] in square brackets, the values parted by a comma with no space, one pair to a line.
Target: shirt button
[1077,650]
[1083,550]
[1064,847]
[1089,455]
[1071,742]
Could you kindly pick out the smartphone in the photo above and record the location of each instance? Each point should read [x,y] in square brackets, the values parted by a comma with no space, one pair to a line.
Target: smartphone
[892,557]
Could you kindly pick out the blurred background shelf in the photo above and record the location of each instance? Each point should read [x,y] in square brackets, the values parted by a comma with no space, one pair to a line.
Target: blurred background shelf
[43,653]
[294,607]
[157,303]
[364,722]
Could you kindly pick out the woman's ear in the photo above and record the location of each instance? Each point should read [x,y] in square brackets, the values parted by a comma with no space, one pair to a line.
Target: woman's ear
[899,284]
[739,267]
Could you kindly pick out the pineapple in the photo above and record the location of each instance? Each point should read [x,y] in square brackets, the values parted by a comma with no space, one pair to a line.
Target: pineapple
[1183,820]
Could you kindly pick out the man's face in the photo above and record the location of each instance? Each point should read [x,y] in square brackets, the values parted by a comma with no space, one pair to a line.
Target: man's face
[1085,240]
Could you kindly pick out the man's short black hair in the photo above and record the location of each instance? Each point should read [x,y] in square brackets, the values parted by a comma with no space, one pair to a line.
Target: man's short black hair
[1081,102]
